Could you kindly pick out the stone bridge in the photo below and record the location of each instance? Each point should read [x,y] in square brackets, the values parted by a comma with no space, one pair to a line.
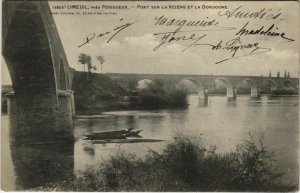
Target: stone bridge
[204,82]
[42,103]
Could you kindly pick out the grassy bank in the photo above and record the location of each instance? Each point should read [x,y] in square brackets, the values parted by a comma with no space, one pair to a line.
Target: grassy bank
[186,164]
[95,93]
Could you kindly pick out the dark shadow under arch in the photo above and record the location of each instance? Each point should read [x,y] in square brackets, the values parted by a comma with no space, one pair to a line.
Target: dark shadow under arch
[27,54]
[226,82]
[194,87]
[250,82]
[288,84]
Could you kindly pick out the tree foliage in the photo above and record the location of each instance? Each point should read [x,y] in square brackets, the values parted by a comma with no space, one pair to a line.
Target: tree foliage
[85,59]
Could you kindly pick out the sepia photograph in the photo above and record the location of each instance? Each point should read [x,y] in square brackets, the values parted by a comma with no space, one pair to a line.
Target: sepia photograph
[150,96]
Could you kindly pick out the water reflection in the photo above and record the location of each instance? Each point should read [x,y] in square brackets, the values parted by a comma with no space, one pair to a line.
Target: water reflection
[203,102]
[231,103]
[222,123]
[130,122]
[89,150]
[38,165]
[29,165]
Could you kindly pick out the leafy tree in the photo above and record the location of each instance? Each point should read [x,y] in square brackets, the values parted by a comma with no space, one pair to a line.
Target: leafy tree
[85,59]
[132,85]
[101,61]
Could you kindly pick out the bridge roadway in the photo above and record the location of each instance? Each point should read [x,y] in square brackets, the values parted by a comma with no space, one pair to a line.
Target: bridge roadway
[204,82]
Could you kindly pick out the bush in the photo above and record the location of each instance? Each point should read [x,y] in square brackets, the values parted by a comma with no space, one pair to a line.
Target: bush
[184,165]
[163,95]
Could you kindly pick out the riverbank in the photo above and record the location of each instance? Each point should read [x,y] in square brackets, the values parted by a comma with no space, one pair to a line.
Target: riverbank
[185,164]
[96,93]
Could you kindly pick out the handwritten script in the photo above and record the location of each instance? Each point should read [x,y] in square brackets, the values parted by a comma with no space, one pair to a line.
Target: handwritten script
[111,34]
[246,32]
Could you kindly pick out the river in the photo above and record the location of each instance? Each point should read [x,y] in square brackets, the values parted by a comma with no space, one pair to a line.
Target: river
[219,122]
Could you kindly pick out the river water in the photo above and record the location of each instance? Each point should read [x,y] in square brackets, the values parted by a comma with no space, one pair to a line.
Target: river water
[219,122]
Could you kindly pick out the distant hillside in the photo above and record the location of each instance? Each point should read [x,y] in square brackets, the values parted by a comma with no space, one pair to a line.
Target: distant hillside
[95,93]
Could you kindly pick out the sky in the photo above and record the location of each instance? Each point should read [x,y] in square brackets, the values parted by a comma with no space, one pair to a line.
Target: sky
[131,50]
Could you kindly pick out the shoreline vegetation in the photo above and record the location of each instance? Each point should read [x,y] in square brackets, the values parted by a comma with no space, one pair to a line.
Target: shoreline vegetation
[100,93]
[96,93]
[185,164]
[160,95]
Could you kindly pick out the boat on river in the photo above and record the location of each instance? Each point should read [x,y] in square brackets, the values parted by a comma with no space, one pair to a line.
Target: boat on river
[117,134]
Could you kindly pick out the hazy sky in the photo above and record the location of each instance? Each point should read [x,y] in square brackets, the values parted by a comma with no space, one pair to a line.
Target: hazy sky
[131,50]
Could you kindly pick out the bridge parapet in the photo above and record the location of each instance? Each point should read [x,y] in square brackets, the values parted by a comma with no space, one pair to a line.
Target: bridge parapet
[206,81]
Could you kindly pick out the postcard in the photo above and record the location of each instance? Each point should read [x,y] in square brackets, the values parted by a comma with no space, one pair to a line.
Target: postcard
[150,96]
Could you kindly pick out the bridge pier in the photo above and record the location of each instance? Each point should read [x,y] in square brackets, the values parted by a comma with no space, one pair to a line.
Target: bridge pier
[203,93]
[72,102]
[254,92]
[40,120]
[203,97]
[231,93]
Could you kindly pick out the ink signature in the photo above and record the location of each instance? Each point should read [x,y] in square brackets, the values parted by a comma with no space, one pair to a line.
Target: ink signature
[261,14]
[263,31]
[234,46]
[112,33]
[198,33]
[206,24]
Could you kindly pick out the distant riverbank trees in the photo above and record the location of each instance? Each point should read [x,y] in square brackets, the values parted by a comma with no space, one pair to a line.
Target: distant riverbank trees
[86,60]
[162,95]
[100,93]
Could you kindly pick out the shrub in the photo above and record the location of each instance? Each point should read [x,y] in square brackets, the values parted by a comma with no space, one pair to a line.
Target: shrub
[163,95]
[186,164]
[254,164]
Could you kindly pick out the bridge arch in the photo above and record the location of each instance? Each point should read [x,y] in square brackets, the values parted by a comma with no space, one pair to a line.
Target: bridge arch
[272,83]
[192,85]
[253,87]
[288,84]
[35,108]
[192,80]
[231,91]
[27,53]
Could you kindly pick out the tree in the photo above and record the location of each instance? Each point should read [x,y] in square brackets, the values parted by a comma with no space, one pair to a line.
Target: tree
[132,86]
[270,74]
[85,59]
[285,74]
[101,61]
